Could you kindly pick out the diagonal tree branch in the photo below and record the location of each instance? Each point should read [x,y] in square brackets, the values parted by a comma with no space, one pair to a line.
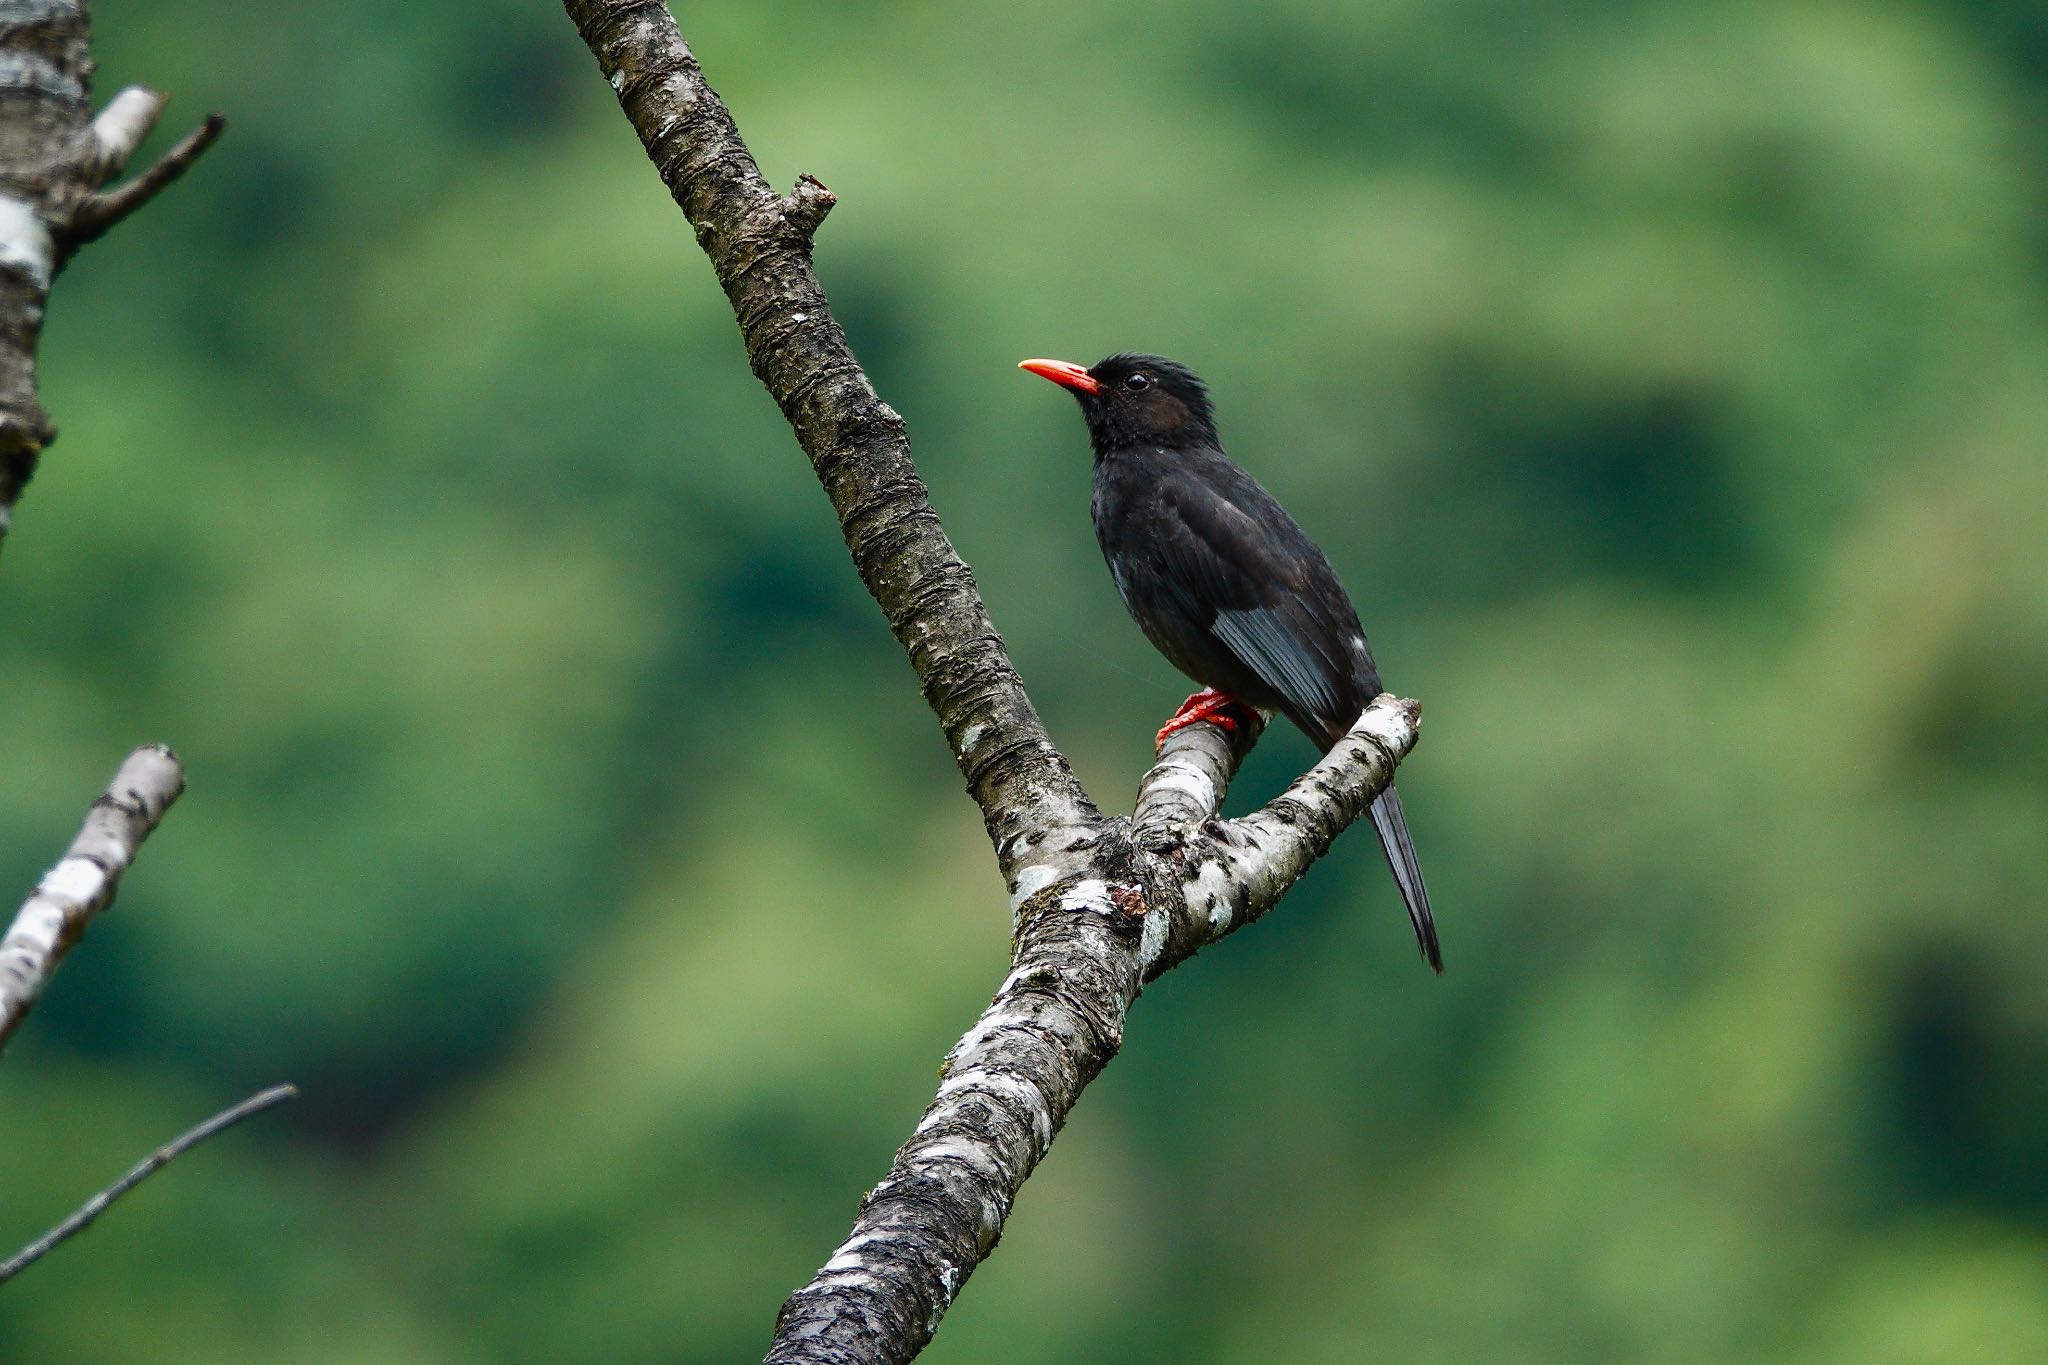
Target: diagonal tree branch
[163,1156]
[54,158]
[82,883]
[96,213]
[1101,905]
[759,242]
[1109,918]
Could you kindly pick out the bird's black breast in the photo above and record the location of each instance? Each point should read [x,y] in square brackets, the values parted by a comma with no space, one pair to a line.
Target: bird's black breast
[1228,586]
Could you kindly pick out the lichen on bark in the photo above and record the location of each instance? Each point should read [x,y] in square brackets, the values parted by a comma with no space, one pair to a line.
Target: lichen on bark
[1101,904]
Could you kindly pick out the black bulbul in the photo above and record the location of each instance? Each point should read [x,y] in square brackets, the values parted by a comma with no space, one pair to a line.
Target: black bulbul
[1222,581]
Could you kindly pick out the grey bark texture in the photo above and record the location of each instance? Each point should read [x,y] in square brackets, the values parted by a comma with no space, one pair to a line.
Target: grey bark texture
[83,882]
[1100,904]
[55,159]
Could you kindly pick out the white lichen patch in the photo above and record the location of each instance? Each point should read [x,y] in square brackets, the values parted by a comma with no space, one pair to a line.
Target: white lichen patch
[1152,939]
[1389,725]
[949,1287]
[77,880]
[845,1279]
[25,242]
[1208,895]
[987,1025]
[1189,781]
[1091,895]
[1030,974]
[1021,1093]
[967,1153]
[1030,881]
[33,937]
[846,1255]
[123,124]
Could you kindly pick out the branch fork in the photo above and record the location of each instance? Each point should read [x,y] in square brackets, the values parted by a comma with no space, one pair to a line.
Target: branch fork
[116,135]
[1100,905]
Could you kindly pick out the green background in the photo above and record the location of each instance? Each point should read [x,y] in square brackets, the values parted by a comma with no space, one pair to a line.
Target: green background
[1666,380]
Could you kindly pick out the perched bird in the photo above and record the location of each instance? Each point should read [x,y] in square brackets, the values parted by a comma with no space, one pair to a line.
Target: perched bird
[1222,581]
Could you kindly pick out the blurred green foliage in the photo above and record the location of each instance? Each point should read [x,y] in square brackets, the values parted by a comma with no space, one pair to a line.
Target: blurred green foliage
[1666,379]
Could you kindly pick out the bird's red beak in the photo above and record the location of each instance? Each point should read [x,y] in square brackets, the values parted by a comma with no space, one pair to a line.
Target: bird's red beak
[1062,372]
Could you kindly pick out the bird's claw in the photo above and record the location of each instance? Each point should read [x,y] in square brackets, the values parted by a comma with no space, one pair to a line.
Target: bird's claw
[1206,706]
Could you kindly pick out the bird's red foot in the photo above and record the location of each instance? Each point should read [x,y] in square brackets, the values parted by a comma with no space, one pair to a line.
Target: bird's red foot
[1207,705]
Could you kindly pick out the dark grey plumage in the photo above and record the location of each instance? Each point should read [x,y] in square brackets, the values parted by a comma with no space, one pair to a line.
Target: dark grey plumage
[1221,579]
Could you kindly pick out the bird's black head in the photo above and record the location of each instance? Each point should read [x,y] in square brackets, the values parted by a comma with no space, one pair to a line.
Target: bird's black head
[1133,400]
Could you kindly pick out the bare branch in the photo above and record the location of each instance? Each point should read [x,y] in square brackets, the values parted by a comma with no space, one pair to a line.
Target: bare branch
[1186,784]
[1100,905]
[759,243]
[1100,916]
[54,157]
[1007,1087]
[141,1171]
[98,212]
[1232,873]
[82,883]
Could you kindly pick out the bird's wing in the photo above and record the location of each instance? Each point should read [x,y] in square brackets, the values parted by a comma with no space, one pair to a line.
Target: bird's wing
[1262,636]
[1235,559]
[1228,554]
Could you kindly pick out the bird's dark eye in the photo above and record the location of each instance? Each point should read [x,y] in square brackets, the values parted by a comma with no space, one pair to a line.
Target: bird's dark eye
[1139,382]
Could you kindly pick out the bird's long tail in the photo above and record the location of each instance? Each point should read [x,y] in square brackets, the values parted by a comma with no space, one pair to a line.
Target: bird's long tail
[1400,851]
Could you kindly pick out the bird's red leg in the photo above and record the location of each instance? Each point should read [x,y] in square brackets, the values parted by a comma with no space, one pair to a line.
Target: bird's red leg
[1206,705]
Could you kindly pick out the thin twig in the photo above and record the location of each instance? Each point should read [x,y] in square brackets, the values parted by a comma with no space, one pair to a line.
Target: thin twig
[143,1170]
[98,212]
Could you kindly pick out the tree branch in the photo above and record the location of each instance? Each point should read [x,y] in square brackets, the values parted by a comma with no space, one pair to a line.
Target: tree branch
[1100,905]
[1188,779]
[1233,872]
[1098,916]
[98,212]
[142,1170]
[82,883]
[759,243]
[54,157]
